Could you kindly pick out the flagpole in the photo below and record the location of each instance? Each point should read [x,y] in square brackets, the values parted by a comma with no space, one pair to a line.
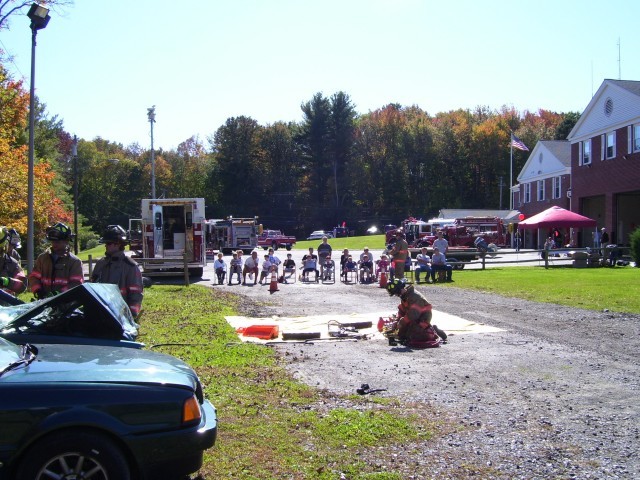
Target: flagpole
[511,174]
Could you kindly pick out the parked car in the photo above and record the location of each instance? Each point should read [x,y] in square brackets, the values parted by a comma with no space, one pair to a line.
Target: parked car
[318,234]
[119,413]
[89,314]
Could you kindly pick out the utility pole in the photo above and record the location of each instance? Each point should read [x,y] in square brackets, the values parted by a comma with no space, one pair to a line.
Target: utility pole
[151,113]
[74,154]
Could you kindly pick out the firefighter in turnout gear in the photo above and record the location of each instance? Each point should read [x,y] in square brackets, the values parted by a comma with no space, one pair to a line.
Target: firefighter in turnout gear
[12,278]
[56,270]
[414,327]
[117,268]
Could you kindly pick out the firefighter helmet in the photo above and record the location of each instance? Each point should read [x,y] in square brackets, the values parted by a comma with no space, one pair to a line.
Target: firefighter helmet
[396,286]
[14,238]
[59,231]
[114,233]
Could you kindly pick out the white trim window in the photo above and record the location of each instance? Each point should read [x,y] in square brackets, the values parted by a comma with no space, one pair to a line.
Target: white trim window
[527,193]
[610,146]
[636,137]
[585,152]
[557,187]
[540,190]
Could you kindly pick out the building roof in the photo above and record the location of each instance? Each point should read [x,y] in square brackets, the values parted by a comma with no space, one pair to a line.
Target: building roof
[632,86]
[505,215]
[561,149]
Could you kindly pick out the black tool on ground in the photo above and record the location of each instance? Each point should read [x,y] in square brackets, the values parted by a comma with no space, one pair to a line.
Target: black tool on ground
[366,390]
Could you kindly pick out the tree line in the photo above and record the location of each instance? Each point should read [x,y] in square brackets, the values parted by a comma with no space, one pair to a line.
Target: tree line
[333,166]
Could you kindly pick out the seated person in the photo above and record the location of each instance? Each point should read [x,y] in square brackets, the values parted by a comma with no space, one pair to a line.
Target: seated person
[251,267]
[367,253]
[266,269]
[349,266]
[235,267]
[366,269]
[438,263]
[423,265]
[343,260]
[382,264]
[310,265]
[220,268]
[289,267]
[326,268]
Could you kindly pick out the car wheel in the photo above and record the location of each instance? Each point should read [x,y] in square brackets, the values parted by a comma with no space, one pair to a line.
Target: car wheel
[74,454]
[274,245]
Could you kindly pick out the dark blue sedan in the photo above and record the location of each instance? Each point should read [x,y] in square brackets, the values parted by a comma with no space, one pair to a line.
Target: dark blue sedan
[100,412]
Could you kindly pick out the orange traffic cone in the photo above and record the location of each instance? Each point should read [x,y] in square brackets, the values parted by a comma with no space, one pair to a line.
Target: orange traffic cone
[383,279]
[273,285]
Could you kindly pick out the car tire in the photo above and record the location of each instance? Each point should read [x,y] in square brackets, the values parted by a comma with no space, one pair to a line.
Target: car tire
[63,452]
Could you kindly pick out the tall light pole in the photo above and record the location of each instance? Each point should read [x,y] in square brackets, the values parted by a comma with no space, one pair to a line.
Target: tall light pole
[151,113]
[74,154]
[39,17]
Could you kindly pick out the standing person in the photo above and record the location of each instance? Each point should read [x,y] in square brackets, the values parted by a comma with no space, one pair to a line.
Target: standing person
[324,249]
[220,267]
[14,244]
[596,239]
[251,267]
[399,254]
[517,240]
[119,269]
[441,243]
[12,278]
[56,270]
[604,243]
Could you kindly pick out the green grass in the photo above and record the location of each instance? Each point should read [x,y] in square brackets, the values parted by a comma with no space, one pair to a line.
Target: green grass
[270,425]
[374,242]
[616,289]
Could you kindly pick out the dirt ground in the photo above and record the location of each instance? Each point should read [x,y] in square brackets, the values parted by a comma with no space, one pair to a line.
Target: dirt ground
[551,392]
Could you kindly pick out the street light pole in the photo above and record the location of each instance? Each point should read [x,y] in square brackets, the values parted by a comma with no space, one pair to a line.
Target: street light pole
[151,113]
[39,17]
[74,154]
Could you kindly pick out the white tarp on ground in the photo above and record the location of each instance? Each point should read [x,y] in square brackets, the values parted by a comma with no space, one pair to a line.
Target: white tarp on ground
[451,324]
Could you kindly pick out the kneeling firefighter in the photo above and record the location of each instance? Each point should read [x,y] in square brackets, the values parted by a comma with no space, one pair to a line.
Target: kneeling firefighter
[413,325]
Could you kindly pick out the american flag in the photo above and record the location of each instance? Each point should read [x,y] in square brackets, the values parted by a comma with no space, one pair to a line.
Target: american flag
[517,143]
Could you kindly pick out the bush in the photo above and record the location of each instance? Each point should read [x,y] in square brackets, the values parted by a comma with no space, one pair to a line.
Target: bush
[635,246]
[91,243]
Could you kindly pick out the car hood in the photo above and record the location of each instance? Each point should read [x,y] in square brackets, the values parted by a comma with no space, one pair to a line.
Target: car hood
[95,364]
[89,310]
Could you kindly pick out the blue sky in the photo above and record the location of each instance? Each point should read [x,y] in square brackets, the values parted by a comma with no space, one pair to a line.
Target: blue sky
[100,65]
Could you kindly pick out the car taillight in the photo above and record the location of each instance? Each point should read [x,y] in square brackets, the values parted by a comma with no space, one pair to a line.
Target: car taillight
[191,410]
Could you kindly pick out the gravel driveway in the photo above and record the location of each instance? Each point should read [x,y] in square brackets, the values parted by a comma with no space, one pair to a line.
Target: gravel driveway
[553,394]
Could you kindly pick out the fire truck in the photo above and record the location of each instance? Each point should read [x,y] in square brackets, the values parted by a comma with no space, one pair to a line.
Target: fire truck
[230,234]
[172,229]
[465,231]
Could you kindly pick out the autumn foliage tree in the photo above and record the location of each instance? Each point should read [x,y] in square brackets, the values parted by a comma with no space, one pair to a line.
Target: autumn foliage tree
[14,104]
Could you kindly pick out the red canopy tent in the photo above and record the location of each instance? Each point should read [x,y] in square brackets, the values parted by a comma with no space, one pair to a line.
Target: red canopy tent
[557,217]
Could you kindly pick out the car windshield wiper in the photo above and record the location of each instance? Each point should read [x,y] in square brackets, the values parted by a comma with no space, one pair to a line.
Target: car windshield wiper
[27,355]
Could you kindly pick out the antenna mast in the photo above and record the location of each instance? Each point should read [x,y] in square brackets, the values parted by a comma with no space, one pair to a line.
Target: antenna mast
[619,62]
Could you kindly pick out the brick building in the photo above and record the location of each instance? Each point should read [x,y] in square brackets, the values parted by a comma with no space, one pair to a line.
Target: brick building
[605,159]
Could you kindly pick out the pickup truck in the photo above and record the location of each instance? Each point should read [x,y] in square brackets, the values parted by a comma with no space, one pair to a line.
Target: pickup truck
[275,239]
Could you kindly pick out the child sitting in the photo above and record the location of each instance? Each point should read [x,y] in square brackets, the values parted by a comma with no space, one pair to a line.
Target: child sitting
[327,268]
[266,269]
[289,267]
[235,266]
[310,266]
[366,269]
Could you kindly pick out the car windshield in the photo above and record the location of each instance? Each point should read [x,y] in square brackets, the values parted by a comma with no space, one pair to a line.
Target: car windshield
[9,353]
[92,309]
